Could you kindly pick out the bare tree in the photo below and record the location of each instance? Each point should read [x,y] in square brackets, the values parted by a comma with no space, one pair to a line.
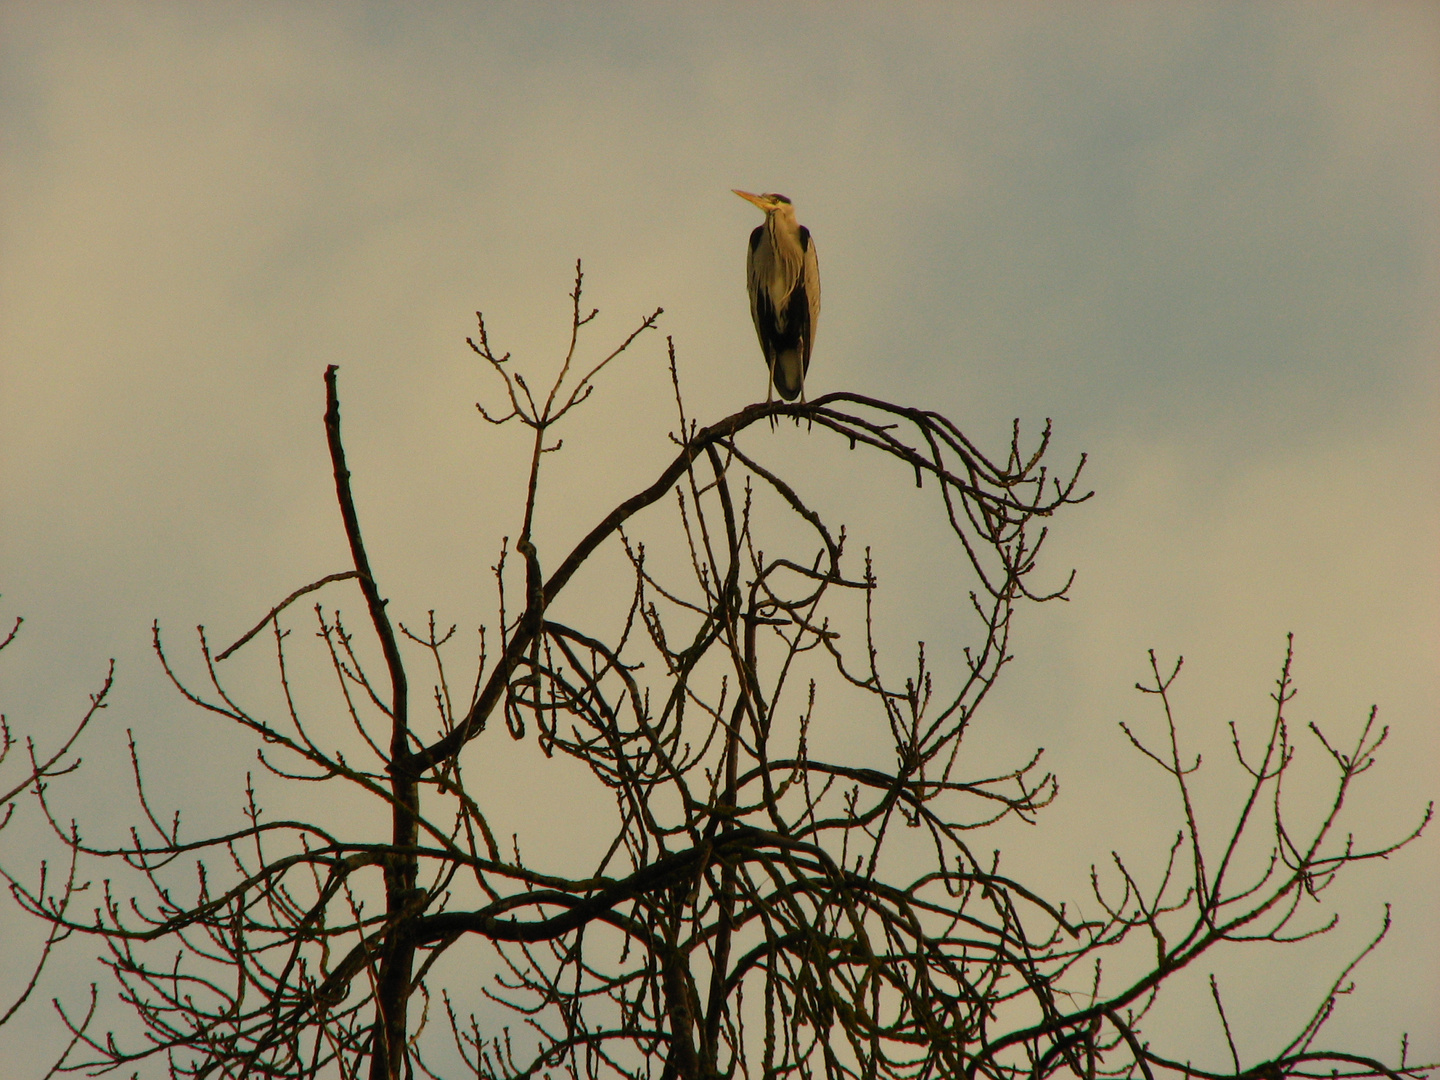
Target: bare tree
[36,771]
[759,909]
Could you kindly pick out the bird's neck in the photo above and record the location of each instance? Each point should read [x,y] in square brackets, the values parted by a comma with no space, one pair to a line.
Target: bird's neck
[783,228]
[786,254]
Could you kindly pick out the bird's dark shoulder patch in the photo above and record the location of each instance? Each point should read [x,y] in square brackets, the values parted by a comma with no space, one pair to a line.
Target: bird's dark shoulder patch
[755,236]
[797,313]
[804,238]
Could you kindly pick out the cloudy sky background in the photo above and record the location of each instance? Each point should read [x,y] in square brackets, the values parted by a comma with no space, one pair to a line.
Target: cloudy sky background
[1204,239]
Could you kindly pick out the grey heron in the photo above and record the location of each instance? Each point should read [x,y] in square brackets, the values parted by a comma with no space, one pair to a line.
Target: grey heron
[783,278]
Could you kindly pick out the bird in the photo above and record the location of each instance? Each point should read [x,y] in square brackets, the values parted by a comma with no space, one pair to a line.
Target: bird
[782,275]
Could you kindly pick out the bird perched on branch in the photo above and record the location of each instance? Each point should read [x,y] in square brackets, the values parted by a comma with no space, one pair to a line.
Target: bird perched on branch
[783,277]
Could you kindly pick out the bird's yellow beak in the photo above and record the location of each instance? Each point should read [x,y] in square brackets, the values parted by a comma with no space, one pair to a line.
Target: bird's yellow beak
[756,199]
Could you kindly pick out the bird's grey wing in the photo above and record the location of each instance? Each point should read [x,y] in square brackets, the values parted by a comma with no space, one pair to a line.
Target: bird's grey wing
[810,276]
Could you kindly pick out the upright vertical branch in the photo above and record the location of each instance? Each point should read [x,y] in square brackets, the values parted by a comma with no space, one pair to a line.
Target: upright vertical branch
[392,991]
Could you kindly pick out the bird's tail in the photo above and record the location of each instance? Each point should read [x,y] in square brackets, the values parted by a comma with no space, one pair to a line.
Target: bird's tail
[788,374]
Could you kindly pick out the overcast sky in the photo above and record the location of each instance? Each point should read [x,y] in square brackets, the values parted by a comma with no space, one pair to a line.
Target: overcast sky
[1203,239]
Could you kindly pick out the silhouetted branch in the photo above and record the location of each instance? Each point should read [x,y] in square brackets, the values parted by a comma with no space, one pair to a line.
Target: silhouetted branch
[756,907]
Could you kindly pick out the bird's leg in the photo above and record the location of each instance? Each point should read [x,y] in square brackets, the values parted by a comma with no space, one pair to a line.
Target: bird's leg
[770,389]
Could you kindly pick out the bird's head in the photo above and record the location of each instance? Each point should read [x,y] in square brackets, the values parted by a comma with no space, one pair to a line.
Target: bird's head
[769,202]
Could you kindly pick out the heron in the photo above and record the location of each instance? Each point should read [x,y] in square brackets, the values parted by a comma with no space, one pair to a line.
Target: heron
[783,278]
